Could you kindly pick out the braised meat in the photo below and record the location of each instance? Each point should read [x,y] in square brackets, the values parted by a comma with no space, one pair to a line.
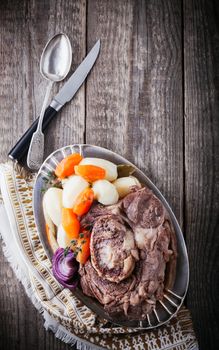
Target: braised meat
[143,209]
[93,214]
[105,291]
[113,249]
[135,291]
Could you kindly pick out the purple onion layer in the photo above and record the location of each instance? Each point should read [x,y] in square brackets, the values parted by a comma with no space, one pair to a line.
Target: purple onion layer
[65,268]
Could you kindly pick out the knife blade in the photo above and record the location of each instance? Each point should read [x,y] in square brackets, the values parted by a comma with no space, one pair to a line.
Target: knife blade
[66,93]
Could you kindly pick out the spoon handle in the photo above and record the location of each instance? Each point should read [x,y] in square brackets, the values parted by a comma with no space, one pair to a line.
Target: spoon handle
[36,149]
[45,101]
[35,153]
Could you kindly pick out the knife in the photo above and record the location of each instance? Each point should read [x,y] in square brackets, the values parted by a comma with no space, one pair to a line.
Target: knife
[66,93]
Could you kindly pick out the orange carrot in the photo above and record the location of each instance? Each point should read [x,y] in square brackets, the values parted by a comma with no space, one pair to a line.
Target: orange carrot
[66,166]
[51,239]
[83,247]
[90,173]
[48,233]
[70,223]
[83,202]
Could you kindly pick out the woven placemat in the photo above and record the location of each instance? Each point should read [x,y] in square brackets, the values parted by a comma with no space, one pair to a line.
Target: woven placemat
[64,314]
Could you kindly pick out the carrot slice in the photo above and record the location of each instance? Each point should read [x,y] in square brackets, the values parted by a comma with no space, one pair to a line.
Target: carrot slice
[70,223]
[66,166]
[51,239]
[83,247]
[90,173]
[83,202]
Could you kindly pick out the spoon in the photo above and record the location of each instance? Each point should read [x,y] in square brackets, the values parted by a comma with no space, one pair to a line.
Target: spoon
[55,64]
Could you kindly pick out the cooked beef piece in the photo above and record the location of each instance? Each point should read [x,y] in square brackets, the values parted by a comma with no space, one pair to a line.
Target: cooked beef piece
[98,210]
[136,295]
[113,249]
[170,271]
[92,215]
[143,209]
[102,289]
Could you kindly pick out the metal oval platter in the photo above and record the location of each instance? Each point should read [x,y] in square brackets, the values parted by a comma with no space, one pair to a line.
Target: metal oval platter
[173,297]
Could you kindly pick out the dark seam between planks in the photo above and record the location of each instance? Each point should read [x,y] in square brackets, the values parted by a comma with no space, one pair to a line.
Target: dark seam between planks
[184,223]
[183,110]
[85,85]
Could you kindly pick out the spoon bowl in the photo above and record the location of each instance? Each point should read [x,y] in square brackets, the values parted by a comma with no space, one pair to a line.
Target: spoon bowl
[56,58]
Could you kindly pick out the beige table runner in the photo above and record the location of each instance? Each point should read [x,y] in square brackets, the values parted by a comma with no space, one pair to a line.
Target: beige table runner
[64,314]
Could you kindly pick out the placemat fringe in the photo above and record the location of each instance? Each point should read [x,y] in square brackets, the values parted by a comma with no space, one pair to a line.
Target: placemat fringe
[61,333]
[188,330]
[25,173]
[22,278]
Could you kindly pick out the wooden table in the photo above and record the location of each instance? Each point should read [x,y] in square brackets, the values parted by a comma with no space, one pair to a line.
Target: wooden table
[153,96]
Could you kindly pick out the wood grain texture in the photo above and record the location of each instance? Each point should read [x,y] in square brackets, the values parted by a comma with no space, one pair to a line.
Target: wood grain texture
[153,96]
[134,96]
[201,59]
[25,27]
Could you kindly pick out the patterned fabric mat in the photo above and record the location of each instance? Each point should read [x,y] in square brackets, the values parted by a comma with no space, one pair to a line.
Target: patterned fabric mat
[64,314]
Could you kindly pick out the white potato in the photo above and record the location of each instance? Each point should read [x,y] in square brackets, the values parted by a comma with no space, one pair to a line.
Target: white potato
[65,180]
[62,239]
[47,217]
[71,190]
[109,167]
[51,229]
[124,184]
[105,192]
[53,204]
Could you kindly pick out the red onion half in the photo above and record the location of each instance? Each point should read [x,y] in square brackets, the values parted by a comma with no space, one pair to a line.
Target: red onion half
[65,268]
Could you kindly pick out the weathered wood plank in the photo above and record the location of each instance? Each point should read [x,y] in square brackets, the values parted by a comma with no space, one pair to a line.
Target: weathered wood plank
[25,27]
[134,107]
[134,95]
[201,58]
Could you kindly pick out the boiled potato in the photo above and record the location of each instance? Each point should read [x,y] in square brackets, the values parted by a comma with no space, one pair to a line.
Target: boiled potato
[105,192]
[65,180]
[109,167]
[124,184]
[47,218]
[52,202]
[50,230]
[71,189]
[62,239]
